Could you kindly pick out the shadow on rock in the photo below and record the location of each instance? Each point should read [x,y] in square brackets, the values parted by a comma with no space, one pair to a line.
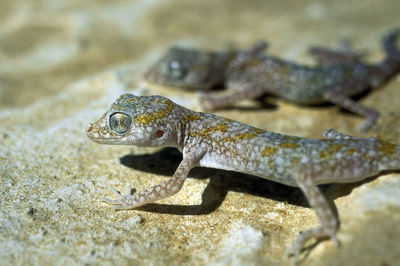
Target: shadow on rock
[165,161]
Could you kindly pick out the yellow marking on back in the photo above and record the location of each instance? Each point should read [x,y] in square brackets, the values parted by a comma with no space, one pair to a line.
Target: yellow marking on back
[151,117]
[295,161]
[227,120]
[258,130]
[221,127]
[289,145]
[234,152]
[241,136]
[365,156]
[191,117]
[386,148]
[271,164]
[291,138]
[269,151]
[330,150]
[351,151]
[207,131]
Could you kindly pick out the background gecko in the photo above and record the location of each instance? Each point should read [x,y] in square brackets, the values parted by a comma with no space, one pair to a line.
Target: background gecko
[250,74]
[212,141]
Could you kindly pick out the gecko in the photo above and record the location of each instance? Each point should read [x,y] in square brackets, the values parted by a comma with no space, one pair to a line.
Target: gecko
[249,74]
[212,141]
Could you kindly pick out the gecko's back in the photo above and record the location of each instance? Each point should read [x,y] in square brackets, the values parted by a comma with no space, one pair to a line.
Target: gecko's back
[298,83]
[242,148]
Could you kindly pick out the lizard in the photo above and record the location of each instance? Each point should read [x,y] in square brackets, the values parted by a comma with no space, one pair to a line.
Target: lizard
[212,141]
[249,74]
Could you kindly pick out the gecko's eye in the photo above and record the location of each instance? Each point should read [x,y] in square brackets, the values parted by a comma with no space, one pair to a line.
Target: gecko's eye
[176,69]
[120,123]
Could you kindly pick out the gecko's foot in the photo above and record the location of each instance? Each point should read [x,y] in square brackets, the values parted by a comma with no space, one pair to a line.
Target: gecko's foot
[120,202]
[369,124]
[297,247]
[216,101]
[205,101]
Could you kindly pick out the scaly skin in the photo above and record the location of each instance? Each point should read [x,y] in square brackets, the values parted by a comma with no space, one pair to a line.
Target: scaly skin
[212,141]
[250,74]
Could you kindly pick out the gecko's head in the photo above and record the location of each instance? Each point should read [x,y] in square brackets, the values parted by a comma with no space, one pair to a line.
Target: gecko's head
[138,120]
[184,68]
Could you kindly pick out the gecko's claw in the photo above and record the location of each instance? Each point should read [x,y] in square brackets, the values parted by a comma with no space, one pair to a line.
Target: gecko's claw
[119,203]
[335,240]
[293,252]
[111,201]
[116,193]
[130,191]
[370,123]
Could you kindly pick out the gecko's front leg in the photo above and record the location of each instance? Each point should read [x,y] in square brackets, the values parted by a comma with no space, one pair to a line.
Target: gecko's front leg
[162,190]
[237,91]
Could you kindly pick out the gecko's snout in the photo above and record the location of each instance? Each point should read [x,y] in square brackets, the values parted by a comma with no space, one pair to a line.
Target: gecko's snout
[89,128]
[90,132]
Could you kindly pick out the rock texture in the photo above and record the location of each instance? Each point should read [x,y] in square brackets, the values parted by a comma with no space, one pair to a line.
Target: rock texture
[63,62]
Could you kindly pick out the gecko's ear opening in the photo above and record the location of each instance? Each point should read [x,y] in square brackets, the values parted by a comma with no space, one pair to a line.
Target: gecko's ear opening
[159,133]
[120,123]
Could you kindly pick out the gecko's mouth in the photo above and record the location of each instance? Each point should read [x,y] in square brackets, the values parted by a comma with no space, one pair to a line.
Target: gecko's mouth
[102,135]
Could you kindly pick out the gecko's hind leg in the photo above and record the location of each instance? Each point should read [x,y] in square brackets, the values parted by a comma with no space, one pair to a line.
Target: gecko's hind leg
[329,222]
[237,91]
[332,56]
[371,115]
[308,175]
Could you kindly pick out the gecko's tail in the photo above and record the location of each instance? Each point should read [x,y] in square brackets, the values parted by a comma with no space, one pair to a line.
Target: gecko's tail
[390,45]
[390,66]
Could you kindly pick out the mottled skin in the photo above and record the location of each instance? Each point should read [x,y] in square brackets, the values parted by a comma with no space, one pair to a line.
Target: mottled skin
[212,141]
[250,74]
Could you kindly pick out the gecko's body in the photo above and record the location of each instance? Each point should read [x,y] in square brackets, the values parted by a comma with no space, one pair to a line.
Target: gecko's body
[250,74]
[212,141]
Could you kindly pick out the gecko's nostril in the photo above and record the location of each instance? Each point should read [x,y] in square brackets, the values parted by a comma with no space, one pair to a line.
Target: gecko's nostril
[89,128]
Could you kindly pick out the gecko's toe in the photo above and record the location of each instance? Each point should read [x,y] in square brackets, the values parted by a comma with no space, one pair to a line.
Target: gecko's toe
[130,191]
[370,123]
[335,240]
[293,252]
[111,201]
[117,204]
[204,101]
[116,193]
[368,126]
[120,202]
